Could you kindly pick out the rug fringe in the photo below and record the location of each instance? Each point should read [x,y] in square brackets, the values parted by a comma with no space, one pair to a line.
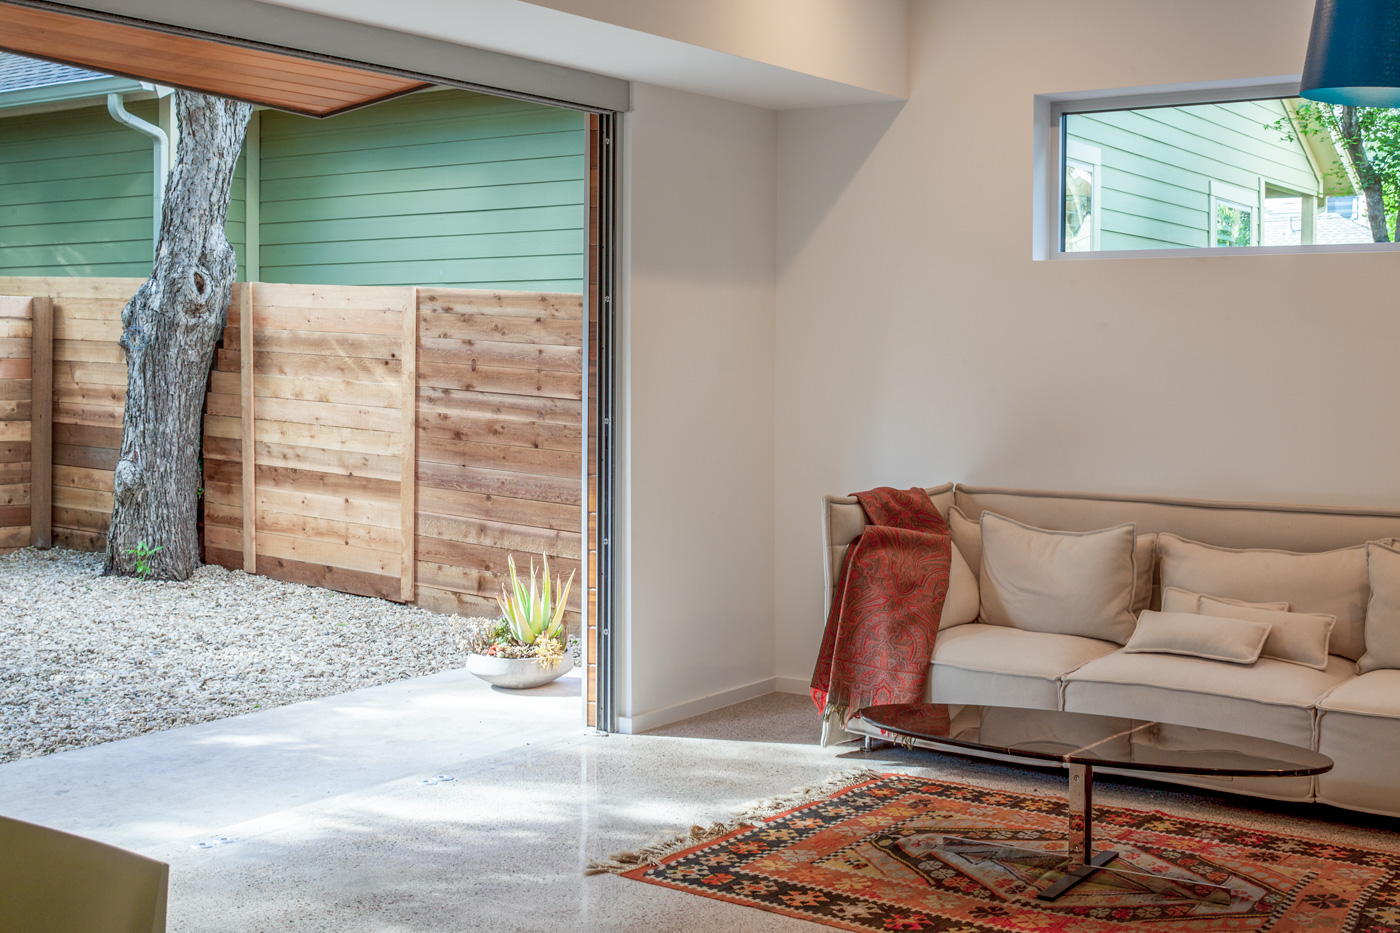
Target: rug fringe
[757,811]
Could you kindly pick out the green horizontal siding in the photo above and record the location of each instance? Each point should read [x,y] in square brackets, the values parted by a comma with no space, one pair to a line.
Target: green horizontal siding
[75,194]
[1158,165]
[236,221]
[441,188]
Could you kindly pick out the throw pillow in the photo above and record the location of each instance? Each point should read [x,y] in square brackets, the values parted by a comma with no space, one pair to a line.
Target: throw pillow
[1067,582]
[1328,582]
[1144,562]
[967,537]
[1238,641]
[962,602]
[1175,599]
[1383,610]
[1298,637]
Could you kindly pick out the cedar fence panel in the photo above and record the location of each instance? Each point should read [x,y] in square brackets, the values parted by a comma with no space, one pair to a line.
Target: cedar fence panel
[88,391]
[397,455]
[391,442]
[304,440]
[16,407]
[499,459]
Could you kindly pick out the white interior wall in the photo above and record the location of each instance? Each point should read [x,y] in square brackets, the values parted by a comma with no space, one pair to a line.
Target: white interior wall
[917,342]
[696,565]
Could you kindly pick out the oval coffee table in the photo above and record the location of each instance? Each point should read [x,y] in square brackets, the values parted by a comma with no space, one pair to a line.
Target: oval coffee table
[1079,742]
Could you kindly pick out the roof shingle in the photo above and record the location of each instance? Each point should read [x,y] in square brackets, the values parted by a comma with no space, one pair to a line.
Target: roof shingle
[18,73]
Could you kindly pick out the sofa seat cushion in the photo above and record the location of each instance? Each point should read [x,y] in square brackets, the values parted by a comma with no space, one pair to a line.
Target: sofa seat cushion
[1374,694]
[1358,727]
[993,665]
[1268,699]
[1158,684]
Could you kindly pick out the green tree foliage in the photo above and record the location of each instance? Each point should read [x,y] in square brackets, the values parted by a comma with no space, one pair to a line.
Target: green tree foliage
[1370,136]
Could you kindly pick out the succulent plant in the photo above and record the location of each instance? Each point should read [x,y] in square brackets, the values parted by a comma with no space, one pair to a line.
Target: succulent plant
[535,612]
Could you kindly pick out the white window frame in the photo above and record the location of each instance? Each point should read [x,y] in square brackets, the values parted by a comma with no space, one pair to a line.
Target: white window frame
[1245,199]
[1048,140]
[1090,158]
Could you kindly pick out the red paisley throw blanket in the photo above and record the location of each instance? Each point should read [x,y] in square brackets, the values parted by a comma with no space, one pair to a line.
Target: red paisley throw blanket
[889,598]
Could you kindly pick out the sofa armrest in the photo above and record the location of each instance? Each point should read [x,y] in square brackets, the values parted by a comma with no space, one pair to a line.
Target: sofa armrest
[843,520]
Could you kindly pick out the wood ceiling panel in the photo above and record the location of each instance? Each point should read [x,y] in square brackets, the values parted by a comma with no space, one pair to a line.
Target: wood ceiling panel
[286,82]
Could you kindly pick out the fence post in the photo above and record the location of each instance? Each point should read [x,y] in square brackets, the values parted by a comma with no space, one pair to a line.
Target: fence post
[250,466]
[41,422]
[408,477]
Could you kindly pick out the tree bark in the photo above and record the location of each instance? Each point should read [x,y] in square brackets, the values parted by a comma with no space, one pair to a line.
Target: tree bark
[1371,182]
[169,331]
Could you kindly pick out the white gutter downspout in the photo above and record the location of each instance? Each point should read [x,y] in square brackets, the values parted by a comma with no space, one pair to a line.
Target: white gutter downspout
[116,106]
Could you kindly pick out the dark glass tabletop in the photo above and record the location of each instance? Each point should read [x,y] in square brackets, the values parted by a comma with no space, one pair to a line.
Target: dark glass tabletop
[1108,741]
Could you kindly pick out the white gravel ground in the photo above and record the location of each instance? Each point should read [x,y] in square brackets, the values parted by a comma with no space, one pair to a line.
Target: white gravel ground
[86,659]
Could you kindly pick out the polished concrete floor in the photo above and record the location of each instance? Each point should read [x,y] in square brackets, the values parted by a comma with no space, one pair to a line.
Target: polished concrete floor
[334,829]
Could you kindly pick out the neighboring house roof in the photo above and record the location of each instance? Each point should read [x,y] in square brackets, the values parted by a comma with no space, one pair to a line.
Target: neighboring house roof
[18,73]
[1282,228]
[39,85]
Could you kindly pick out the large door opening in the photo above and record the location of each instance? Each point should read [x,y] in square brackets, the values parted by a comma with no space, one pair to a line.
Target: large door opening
[314,85]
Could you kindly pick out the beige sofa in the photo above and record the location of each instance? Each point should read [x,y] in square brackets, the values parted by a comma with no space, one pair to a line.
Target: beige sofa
[1352,717]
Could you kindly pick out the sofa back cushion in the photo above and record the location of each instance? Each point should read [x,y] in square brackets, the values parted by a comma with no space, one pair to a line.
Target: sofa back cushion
[1330,582]
[1065,582]
[1383,609]
[963,602]
[967,535]
[1297,637]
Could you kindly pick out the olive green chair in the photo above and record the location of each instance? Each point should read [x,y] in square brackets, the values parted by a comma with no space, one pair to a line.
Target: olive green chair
[55,882]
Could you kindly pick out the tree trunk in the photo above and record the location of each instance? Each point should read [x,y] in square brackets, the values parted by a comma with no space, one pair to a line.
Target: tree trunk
[169,330]
[1371,181]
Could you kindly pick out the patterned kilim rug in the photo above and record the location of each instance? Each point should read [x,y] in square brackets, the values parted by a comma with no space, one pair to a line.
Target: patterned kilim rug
[868,857]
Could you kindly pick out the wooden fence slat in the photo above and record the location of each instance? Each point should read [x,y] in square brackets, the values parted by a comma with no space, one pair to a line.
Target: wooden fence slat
[90,458]
[498,405]
[446,426]
[509,483]
[554,305]
[347,463]
[250,492]
[504,355]
[523,538]
[357,346]
[315,435]
[14,431]
[459,504]
[408,481]
[326,414]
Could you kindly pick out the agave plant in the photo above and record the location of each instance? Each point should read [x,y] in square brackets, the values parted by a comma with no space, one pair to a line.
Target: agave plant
[537,610]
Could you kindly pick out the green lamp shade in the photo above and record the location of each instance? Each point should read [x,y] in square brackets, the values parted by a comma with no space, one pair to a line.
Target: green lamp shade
[1354,53]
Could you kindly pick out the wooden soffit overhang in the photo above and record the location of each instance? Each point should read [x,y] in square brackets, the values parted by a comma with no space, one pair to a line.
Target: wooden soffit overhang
[307,86]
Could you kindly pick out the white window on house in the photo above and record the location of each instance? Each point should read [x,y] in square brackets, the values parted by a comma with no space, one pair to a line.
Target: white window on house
[1180,170]
[1233,215]
[1234,224]
[1083,168]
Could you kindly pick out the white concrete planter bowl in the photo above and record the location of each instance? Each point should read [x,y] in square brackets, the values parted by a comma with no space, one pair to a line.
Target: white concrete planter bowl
[517,673]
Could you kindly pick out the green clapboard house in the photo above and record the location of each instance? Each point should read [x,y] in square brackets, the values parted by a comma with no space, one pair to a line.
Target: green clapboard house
[1229,174]
[443,187]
